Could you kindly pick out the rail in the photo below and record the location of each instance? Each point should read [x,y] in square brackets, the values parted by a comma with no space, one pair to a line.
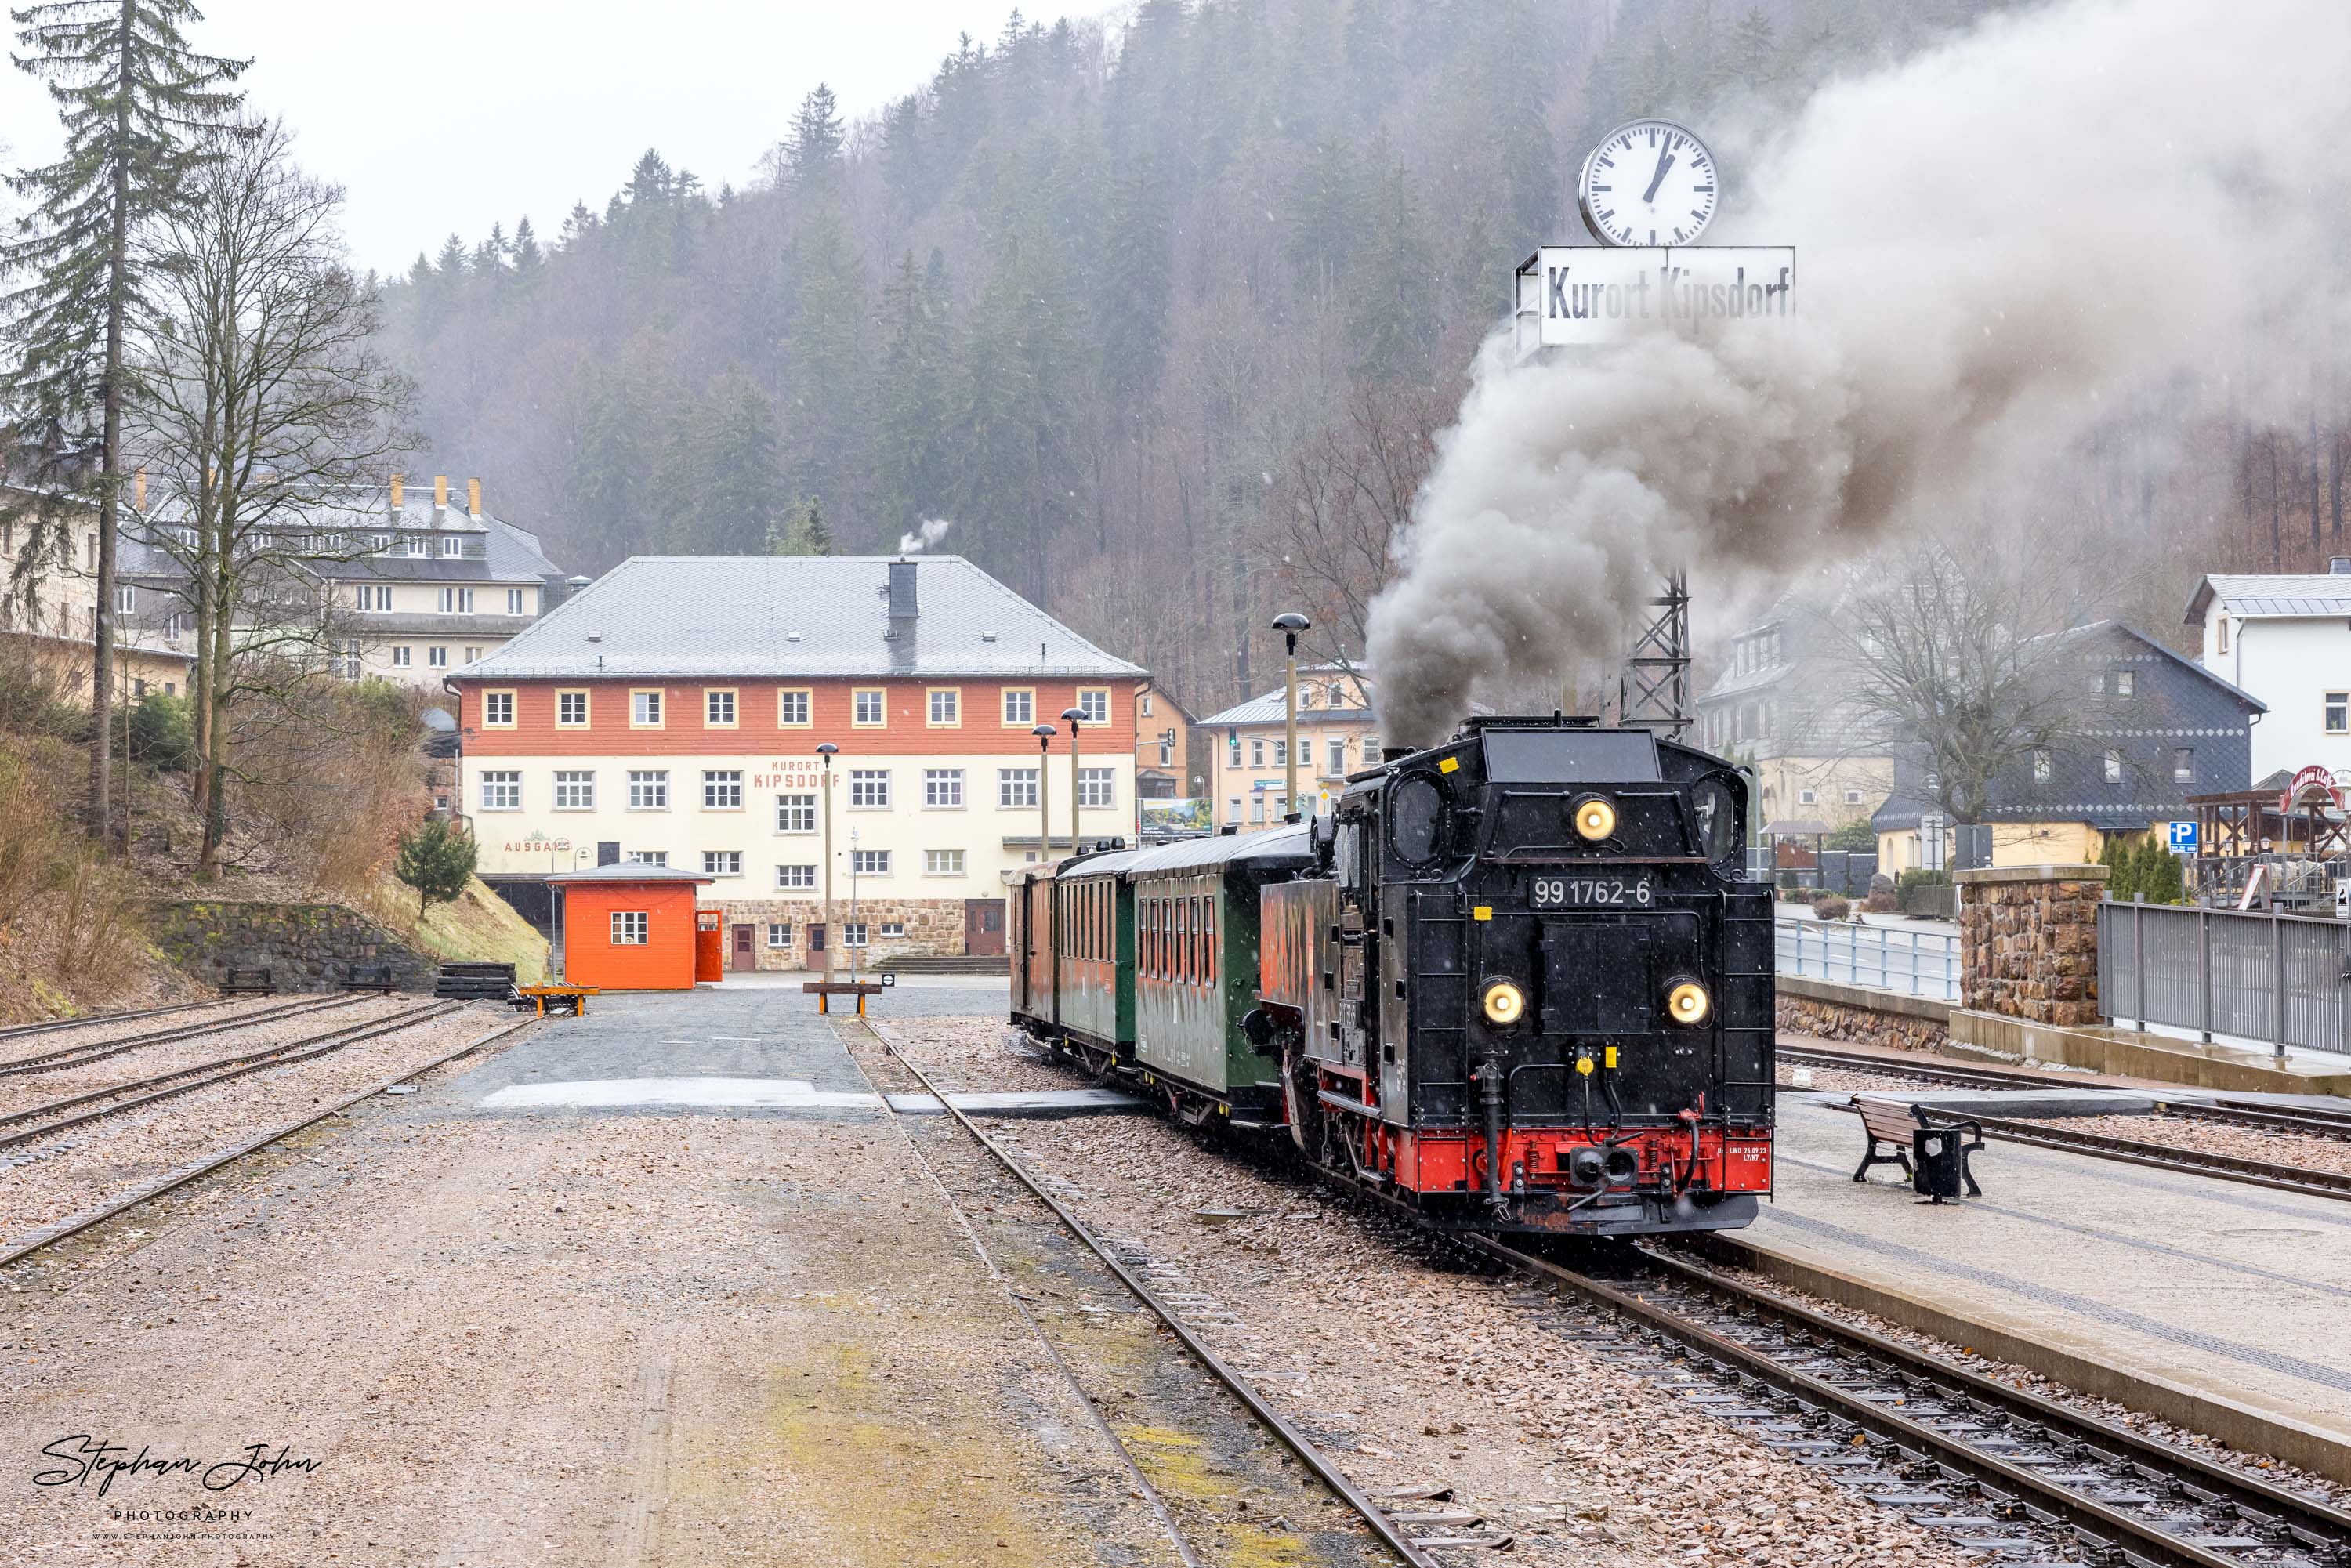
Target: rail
[1885,958]
[2274,976]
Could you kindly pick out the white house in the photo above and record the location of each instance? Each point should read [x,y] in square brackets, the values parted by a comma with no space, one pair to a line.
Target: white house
[2286,640]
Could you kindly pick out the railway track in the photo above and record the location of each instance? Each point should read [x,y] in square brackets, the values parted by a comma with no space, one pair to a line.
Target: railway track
[86,1051]
[56,1116]
[91,1219]
[93,1020]
[1124,1264]
[2006,1471]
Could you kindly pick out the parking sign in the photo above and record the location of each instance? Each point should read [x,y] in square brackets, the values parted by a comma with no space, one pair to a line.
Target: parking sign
[2183,838]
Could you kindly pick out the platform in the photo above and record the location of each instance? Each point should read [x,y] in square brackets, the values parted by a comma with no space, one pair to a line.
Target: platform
[2218,1306]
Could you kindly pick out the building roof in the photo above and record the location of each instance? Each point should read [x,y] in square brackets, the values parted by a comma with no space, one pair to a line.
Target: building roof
[631,870]
[794,616]
[1269,709]
[509,554]
[2289,596]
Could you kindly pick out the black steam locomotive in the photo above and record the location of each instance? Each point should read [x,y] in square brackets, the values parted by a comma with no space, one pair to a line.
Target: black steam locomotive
[1517,981]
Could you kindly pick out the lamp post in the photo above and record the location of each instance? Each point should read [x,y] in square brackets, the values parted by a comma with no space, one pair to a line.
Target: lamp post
[1289,624]
[824,804]
[1044,734]
[1075,716]
[852,906]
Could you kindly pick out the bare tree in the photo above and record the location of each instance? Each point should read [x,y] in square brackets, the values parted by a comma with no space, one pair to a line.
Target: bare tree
[274,414]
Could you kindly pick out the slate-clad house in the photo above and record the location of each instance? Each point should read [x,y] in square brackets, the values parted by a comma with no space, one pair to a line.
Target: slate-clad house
[2159,729]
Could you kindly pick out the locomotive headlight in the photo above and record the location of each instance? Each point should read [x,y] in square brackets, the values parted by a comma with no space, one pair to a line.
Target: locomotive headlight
[1595,818]
[1687,1003]
[1505,1003]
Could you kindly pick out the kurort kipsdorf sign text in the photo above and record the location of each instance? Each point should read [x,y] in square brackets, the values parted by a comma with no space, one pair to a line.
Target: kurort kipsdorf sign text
[1579,296]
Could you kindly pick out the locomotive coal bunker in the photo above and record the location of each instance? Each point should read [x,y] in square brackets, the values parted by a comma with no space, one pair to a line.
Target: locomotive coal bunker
[1528,986]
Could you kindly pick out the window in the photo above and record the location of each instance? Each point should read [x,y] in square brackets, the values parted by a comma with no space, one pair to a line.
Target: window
[347,660]
[2041,767]
[2183,765]
[796,813]
[649,792]
[502,790]
[645,710]
[1233,748]
[438,658]
[1257,807]
[718,709]
[629,927]
[722,790]
[575,791]
[870,788]
[943,786]
[456,602]
[942,862]
[792,708]
[789,876]
[2223,647]
[1853,796]
[498,710]
[869,863]
[1233,809]
[572,710]
[1143,706]
[2125,683]
[867,709]
[722,863]
[780,933]
[399,657]
[452,546]
[649,857]
[853,933]
[1094,786]
[1015,787]
[1808,797]
[946,707]
[2114,766]
[891,929]
[1094,702]
[473,654]
[1338,756]
[514,601]
[417,545]
[1019,706]
[1168,749]
[1257,751]
[2338,711]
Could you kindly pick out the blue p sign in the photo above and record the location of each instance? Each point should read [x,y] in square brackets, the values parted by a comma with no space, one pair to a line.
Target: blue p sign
[2183,838]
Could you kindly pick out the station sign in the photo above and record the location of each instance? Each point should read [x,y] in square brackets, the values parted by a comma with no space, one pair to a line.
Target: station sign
[1584,295]
[2313,786]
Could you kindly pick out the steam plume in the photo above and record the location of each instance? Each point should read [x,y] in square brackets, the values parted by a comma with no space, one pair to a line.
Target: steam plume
[923,538]
[1994,240]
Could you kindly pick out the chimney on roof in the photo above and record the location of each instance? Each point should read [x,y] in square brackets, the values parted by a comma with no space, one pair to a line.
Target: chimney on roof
[440,496]
[396,489]
[2340,566]
[473,499]
[903,606]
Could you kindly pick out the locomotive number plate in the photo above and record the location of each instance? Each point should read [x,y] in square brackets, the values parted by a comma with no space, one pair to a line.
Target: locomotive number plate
[1637,891]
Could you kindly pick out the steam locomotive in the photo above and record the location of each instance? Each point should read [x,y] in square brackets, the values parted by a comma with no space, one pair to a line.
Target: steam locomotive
[1516,982]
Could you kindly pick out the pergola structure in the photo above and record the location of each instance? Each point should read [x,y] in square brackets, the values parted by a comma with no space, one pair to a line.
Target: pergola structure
[2260,821]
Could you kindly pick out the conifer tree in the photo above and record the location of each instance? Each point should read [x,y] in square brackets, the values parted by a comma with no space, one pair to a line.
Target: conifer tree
[802,531]
[131,93]
[815,150]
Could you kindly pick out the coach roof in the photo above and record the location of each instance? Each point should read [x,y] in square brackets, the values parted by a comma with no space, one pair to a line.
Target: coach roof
[792,617]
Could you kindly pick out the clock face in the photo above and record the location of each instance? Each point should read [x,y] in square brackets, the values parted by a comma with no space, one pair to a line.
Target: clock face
[1650,183]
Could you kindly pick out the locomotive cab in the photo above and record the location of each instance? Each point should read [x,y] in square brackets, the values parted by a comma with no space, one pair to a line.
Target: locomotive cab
[1533,990]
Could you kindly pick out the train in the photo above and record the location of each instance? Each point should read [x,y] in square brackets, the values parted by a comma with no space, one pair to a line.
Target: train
[1516,982]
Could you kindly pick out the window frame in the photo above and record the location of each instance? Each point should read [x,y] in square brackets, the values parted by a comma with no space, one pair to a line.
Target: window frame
[935,779]
[659,706]
[587,707]
[1028,695]
[1107,777]
[961,860]
[515,603]
[631,928]
[869,776]
[1083,693]
[783,886]
[503,778]
[807,704]
[811,799]
[1007,778]
[722,778]
[575,779]
[489,700]
[2335,712]
[712,696]
[722,856]
[436,657]
[954,695]
[857,696]
[773,927]
[2111,769]
[649,779]
[882,863]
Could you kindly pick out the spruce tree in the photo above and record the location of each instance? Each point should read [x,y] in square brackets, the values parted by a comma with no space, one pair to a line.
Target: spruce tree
[131,94]
[815,150]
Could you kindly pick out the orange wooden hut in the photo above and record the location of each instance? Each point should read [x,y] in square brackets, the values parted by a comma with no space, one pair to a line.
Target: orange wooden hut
[627,928]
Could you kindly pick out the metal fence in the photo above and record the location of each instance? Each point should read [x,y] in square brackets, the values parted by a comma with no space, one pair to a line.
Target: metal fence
[1885,958]
[2274,977]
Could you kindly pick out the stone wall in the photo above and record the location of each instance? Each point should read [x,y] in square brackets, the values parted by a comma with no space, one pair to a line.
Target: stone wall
[305,947]
[933,925]
[1865,1026]
[2029,942]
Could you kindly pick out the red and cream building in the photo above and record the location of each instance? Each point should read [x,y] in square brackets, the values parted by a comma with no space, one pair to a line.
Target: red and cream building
[672,714]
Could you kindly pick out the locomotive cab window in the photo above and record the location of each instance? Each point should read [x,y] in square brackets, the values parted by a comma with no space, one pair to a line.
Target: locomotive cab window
[1415,820]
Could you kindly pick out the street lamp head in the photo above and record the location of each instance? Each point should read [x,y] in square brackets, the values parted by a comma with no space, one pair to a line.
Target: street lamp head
[1076,716]
[825,750]
[1044,732]
[1291,622]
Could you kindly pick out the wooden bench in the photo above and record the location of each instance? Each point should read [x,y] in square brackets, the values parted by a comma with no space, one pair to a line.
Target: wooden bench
[369,977]
[1903,1124]
[247,983]
[572,1000]
[825,990]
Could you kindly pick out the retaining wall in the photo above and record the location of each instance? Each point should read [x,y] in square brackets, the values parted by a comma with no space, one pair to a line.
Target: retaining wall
[305,947]
[1827,1010]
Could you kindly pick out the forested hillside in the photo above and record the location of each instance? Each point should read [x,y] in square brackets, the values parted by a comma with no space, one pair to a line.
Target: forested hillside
[1162,315]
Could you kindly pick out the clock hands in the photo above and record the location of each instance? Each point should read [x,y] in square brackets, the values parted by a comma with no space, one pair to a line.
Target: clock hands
[1658,179]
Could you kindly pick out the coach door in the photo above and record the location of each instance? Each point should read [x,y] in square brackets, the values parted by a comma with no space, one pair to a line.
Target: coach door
[983,928]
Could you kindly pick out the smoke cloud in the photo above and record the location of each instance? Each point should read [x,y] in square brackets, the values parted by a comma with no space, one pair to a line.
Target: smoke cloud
[923,538]
[1996,241]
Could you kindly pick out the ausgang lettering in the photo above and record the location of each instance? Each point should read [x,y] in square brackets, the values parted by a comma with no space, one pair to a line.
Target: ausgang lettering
[1679,298]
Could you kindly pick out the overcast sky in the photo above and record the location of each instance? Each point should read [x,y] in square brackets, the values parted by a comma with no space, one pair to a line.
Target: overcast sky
[446,115]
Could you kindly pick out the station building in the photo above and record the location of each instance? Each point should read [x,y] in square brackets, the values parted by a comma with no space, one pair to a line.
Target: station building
[1338,734]
[670,716]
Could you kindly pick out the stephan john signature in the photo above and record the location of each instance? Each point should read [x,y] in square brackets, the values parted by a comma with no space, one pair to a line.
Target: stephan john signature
[85,1456]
